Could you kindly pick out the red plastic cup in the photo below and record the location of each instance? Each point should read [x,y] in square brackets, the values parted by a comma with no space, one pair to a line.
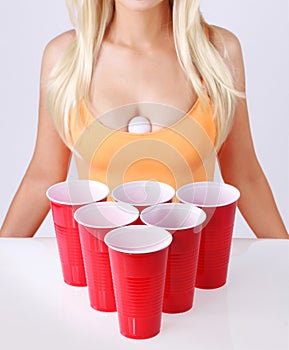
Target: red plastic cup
[94,222]
[219,201]
[65,198]
[184,221]
[143,194]
[138,256]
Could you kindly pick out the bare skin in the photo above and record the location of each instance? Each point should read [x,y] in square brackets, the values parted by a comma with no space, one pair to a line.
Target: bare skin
[124,82]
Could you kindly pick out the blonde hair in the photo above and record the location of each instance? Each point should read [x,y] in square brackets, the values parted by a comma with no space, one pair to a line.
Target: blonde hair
[71,77]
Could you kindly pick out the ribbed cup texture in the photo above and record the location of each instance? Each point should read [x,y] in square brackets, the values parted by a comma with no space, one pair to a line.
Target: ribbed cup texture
[68,242]
[181,271]
[70,253]
[99,280]
[215,248]
[97,269]
[142,297]
[139,288]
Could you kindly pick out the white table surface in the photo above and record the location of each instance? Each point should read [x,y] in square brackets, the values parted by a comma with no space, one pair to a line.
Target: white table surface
[39,311]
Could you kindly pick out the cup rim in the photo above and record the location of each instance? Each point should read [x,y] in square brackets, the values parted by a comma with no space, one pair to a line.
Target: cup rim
[208,184]
[190,206]
[133,211]
[103,187]
[165,239]
[171,191]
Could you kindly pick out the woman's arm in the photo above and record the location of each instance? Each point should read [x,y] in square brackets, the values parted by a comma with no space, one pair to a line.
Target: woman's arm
[49,163]
[237,158]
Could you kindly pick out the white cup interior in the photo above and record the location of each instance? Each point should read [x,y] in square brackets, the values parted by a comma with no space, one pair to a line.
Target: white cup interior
[173,216]
[106,215]
[208,194]
[143,193]
[77,192]
[138,239]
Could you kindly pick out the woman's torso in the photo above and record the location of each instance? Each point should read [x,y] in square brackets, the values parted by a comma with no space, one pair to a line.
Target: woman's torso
[128,82]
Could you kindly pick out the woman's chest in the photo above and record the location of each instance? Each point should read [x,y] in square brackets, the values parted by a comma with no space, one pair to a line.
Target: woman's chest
[126,84]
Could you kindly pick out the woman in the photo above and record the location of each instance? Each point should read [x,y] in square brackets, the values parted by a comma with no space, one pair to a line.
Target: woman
[159,59]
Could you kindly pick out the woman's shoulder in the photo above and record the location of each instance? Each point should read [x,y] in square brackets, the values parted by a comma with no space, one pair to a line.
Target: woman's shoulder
[56,47]
[229,48]
[61,40]
[225,42]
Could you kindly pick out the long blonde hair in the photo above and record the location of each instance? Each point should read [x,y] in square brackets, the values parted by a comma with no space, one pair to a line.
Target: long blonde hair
[71,78]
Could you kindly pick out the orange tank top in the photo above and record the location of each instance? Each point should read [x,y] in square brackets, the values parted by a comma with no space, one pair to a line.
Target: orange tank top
[178,154]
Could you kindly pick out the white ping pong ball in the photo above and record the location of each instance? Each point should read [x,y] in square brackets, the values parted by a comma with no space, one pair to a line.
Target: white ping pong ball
[139,125]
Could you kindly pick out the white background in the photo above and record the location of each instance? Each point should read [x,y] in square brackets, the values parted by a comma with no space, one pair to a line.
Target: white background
[262,27]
